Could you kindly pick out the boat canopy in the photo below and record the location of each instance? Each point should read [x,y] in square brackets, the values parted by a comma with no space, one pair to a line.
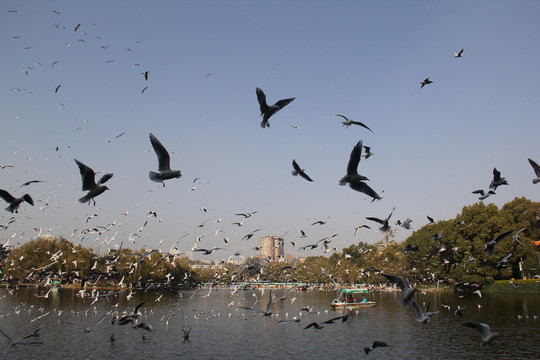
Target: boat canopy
[354,291]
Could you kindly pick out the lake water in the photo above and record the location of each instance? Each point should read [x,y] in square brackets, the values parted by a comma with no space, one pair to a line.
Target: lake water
[220,330]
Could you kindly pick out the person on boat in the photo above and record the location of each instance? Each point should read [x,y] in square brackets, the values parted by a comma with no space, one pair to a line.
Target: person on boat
[364,300]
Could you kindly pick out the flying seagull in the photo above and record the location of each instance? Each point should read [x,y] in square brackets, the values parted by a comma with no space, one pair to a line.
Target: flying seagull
[367,152]
[89,183]
[165,172]
[484,331]
[536,169]
[482,194]
[268,111]
[385,226]
[89,328]
[375,344]
[490,246]
[459,54]
[407,291]
[497,180]
[267,312]
[422,316]
[145,74]
[20,342]
[299,171]
[348,122]
[14,203]
[28,183]
[427,81]
[504,260]
[355,180]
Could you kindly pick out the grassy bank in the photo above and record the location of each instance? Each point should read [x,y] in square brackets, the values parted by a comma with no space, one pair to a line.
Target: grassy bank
[526,286]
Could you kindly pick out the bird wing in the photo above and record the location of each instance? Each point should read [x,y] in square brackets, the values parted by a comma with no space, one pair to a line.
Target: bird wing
[481,192]
[361,124]
[419,313]
[282,103]
[162,154]
[6,196]
[379,344]
[396,280]
[105,178]
[343,116]
[376,220]
[138,307]
[305,176]
[496,175]
[87,175]
[261,98]
[502,236]
[7,337]
[354,159]
[483,329]
[535,167]
[296,167]
[97,322]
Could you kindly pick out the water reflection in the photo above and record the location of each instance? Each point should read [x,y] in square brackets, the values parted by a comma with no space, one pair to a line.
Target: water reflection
[222,331]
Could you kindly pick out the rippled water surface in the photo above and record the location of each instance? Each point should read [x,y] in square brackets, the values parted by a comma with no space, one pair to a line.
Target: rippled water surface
[220,330]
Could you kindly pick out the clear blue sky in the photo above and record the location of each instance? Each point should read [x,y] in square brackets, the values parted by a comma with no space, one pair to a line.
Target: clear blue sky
[364,59]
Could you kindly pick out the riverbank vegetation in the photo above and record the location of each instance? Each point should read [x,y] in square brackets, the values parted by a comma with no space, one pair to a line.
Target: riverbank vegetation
[453,252]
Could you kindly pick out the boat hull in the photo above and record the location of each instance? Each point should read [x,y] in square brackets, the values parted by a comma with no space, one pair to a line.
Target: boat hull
[355,305]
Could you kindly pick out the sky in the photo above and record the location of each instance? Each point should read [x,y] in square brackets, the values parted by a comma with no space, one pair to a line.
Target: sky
[433,146]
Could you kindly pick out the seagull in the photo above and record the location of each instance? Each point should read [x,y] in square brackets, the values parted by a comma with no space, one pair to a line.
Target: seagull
[77,27]
[299,171]
[28,183]
[186,333]
[57,88]
[515,237]
[497,180]
[89,328]
[430,219]
[484,331]
[406,290]
[359,227]
[503,261]
[208,251]
[356,181]
[89,183]
[459,310]
[268,111]
[385,226]
[482,194]
[348,122]
[459,54]
[367,152]
[267,312]
[145,74]
[14,203]
[536,169]
[426,82]
[405,224]
[490,246]
[422,316]
[165,172]
[20,342]
[375,344]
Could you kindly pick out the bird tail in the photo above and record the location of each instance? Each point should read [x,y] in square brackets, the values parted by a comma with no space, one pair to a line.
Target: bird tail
[265,124]
[536,181]
[85,199]
[154,176]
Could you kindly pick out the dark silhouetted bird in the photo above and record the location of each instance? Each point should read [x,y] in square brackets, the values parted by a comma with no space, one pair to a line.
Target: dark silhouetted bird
[375,344]
[89,183]
[268,111]
[497,180]
[299,171]
[14,202]
[426,81]
[165,172]
[348,122]
[536,169]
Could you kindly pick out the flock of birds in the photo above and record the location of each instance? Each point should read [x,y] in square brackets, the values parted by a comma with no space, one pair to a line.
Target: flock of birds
[352,178]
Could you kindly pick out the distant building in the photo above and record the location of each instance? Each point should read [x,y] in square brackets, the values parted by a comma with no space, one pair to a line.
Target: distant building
[272,248]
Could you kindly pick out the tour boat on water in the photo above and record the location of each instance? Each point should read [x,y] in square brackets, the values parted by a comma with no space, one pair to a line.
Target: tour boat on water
[352,299]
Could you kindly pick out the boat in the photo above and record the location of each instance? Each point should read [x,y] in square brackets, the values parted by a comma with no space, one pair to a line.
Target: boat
[55,285]
[352,299]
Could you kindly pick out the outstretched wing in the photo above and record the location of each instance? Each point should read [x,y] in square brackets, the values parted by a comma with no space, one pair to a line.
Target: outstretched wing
[362,125]
[535,167]
[282,103]
[105,178]
[87,175]
[261,98]
[354,159]
[162,154]
[6,196]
